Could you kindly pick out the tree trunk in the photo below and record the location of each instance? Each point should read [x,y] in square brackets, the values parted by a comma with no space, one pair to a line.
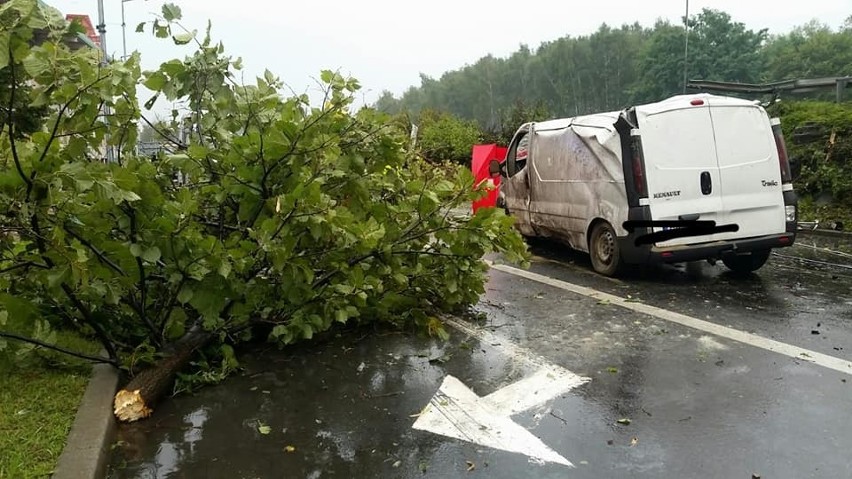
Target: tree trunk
[135,401]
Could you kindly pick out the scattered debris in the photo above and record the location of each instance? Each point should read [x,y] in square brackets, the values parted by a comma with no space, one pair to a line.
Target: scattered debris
[755,476]
[361,367]
[814,331]
[557,417]
[634,441]
[624,421]
[386,395]
[397,463]
[610,442]
[612,370]
[646,412]
[253,388]
[289,448]
[584,463]
[687,418]
[470,466]
[441,359]
[263,428]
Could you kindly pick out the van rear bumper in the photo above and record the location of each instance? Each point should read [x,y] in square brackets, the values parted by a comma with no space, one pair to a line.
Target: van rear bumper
[648,254]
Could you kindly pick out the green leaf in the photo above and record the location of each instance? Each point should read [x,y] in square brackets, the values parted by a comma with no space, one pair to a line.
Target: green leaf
[171,12]
[140,28]
[135,250]
[176,324]
[4,48]
[56,277]
[155,82]
[224,269]
[151,255]
[161,31]
[84,185]
[4,316]
[35,65]
[184,38]
[150,103]
[185,294]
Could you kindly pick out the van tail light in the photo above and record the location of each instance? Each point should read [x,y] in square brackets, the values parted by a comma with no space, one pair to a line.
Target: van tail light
[638,166]
[783,160]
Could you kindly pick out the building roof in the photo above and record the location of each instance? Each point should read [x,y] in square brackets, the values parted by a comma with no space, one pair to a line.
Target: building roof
[86,23]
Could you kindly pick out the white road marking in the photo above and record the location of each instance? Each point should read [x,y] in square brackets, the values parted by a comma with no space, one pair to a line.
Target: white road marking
[796,352]
[456,411]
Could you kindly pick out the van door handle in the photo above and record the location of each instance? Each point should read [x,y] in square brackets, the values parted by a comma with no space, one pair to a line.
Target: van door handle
[706,183]
[690,217]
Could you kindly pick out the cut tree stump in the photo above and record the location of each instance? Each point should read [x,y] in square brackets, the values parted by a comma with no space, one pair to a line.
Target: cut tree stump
[136,400]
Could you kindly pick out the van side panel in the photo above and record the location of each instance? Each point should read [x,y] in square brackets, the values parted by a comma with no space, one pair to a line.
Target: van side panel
[679,147]
[748,167]
[577,177]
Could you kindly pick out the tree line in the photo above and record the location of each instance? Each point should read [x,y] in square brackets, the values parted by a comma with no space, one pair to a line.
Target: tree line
[615,67]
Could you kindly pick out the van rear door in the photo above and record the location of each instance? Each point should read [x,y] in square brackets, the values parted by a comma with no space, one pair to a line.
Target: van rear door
[681,164]
[748,168]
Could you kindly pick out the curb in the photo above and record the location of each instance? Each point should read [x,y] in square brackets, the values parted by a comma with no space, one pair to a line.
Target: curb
[86,451]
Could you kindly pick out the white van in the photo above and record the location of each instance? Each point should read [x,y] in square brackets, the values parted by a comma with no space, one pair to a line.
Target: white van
[693,177]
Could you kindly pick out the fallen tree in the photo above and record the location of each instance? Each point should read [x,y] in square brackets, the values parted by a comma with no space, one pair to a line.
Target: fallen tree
[269,215]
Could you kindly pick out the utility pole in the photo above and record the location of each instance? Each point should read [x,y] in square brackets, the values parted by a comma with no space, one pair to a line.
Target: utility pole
[685,45]
[107,112]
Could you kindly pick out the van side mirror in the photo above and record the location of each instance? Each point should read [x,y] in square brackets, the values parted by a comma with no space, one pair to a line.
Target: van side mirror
[495,168]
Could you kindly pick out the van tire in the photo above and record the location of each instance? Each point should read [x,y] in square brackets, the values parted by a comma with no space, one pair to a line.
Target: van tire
[603,249]
[746,263]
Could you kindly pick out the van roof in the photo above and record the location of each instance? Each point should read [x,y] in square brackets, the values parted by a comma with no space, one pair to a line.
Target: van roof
[597,120]
[607,120]
[680,101]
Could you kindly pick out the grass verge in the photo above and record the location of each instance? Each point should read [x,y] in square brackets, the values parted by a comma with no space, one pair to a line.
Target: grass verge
[39,395]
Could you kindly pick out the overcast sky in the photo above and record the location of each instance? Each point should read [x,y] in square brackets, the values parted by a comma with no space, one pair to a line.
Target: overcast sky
[386,45]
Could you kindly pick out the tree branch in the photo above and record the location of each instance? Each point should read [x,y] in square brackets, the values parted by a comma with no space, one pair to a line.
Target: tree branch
[12,125]
[143,289]
[87,317]
[62,112]
[100,254]
[23,265]
[60,349]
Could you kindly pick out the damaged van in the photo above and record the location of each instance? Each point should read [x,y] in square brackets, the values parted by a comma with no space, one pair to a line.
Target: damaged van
[693,177]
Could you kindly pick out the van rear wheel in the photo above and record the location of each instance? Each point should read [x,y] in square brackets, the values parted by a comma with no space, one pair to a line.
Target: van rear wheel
[603,249]
[746,263]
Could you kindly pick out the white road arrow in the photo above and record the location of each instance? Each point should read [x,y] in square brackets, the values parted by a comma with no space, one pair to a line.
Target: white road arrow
[456,411]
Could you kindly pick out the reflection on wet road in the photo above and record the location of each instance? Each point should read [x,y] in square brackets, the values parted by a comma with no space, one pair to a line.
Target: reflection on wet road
[664,400]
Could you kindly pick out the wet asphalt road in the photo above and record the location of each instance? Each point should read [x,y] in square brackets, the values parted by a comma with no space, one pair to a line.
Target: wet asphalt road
[698,405]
